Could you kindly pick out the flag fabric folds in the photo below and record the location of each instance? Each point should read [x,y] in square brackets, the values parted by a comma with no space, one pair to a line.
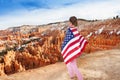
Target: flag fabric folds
[73,45]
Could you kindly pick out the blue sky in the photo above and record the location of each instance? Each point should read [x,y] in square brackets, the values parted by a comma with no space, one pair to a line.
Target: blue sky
[36,12]
[14,5]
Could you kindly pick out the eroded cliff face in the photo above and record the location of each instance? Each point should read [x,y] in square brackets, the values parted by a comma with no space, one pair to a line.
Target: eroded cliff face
[43,46]
[33,52]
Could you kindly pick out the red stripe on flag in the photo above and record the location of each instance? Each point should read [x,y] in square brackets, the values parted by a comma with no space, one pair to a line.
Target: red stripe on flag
[81,42]
[76,34]
[74,30]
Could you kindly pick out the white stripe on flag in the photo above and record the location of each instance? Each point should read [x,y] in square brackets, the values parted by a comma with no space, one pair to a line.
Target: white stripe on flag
[81,39]
[72,28]
[75,32]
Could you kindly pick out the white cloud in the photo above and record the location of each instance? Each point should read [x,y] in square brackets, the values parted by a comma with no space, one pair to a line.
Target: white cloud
[92,10]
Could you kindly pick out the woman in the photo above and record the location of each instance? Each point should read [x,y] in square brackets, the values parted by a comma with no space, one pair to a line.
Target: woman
[72,47]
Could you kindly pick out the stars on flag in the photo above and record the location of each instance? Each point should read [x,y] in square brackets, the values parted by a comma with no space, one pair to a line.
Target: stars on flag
[69,36]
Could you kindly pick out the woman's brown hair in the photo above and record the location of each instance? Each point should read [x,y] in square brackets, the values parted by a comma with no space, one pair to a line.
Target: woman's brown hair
[73,20]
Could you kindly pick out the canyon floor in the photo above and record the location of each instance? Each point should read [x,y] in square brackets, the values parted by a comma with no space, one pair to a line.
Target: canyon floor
[102,65]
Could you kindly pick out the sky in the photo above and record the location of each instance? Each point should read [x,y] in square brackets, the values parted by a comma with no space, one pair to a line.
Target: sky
[15,13]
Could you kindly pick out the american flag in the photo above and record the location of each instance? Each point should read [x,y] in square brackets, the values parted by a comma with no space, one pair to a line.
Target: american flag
[73,45]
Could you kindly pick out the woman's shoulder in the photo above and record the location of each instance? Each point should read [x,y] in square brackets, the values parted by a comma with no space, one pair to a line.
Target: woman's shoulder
[73,28]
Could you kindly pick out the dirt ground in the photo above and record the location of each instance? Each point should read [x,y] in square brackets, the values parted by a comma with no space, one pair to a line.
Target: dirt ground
[102,65]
